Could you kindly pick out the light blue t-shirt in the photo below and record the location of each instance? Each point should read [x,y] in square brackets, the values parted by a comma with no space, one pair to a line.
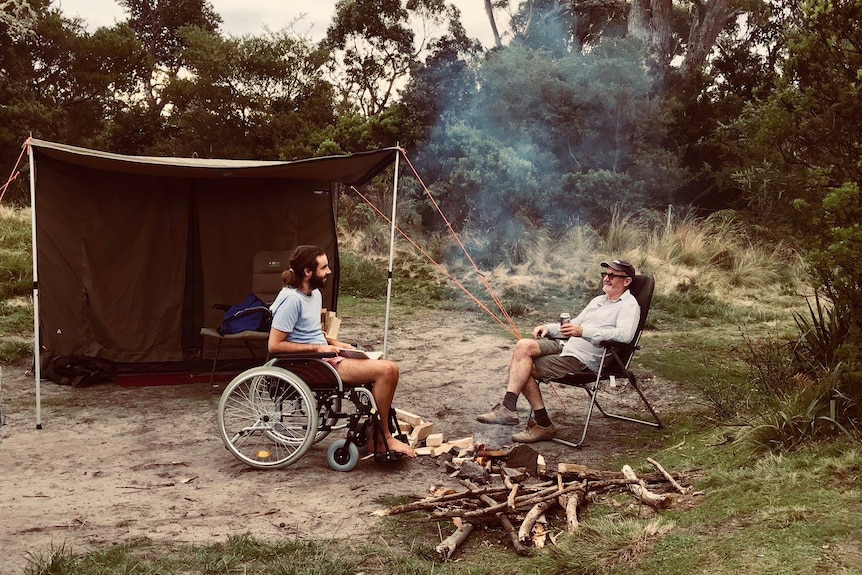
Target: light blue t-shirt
[298,315]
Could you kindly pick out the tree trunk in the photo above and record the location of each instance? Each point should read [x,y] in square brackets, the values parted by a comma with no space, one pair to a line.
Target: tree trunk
[662,40]
[490,11]
[651,22]
[707,20]
[639,20]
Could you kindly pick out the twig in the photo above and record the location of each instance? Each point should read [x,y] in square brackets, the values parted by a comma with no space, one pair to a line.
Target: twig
[512,494]
[667,476]
[505,523]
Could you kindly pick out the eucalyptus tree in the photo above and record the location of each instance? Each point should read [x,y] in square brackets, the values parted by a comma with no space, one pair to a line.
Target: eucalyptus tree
[158,25]
[249,97]
[375,46]
[680,34]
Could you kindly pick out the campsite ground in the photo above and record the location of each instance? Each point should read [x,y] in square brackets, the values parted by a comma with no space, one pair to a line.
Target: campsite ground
[116,463]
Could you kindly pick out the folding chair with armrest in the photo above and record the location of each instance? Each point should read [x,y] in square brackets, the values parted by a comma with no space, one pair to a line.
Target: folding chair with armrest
[615,361]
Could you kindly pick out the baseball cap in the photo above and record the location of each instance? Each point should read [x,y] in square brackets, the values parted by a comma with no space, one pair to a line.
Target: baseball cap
[621,266]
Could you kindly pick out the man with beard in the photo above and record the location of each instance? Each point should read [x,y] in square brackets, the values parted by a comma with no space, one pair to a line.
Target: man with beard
[296,328]
[556,350]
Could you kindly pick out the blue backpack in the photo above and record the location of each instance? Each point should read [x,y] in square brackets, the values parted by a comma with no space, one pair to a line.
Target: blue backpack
[249,315]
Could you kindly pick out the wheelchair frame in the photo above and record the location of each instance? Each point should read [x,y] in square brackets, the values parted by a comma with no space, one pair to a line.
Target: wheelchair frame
[270,416]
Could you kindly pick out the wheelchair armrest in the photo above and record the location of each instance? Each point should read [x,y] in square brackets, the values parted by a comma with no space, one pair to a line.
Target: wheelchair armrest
[302,355]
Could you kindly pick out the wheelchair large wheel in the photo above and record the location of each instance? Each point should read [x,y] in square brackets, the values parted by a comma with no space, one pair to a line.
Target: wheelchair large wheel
[267,417]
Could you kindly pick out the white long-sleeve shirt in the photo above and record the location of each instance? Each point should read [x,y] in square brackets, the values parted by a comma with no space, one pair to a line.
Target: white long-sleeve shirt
[601,320]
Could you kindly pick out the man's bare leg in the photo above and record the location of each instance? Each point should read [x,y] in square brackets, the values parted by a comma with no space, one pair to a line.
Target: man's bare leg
[521,380]
[383,377]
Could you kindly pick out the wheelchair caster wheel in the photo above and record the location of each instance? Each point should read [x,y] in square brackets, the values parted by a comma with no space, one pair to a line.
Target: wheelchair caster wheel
[342,456]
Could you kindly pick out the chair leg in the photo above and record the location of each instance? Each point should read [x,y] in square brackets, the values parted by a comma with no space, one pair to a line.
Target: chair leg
[657,423]
[592,393]
[215,361]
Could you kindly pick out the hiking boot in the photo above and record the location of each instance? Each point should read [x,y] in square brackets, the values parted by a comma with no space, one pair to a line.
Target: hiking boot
[535,432]
[500,415]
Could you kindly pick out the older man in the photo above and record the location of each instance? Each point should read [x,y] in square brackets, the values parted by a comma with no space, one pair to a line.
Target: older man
[556,350]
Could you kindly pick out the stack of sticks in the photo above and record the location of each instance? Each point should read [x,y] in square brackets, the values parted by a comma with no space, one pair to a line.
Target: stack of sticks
[528,503]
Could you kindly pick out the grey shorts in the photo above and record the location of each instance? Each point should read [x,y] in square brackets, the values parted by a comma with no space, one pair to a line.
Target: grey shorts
[551,365]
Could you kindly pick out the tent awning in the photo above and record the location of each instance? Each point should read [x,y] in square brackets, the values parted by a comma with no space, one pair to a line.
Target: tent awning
[352,170]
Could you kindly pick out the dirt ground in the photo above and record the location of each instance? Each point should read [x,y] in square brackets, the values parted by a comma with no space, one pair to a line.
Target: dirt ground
[113,463]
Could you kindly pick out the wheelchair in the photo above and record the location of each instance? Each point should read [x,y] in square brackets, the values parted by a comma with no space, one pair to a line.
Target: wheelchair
[270,416]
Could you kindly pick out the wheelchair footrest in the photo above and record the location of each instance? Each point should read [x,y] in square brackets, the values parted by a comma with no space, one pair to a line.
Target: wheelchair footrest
[387,456]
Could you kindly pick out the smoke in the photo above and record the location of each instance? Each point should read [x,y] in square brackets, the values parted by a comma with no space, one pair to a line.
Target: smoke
[533,138]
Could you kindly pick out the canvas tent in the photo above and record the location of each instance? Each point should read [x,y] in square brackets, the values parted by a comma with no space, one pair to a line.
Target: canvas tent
[131,253]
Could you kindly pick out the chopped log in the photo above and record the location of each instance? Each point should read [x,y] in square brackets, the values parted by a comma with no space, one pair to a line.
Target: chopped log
[463,443]
[441,449]
[532,516]
[448,546]
[420,431]
[434,440]
[493,454]
[410,418]
[655,500]
[667,476]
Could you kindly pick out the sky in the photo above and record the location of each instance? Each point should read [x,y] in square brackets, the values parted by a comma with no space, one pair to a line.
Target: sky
[241,17]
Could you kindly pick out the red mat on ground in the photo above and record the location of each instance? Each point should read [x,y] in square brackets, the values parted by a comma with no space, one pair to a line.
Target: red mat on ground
[145,379]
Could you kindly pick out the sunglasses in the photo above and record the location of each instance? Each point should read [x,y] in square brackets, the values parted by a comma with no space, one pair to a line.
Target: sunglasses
[612,276]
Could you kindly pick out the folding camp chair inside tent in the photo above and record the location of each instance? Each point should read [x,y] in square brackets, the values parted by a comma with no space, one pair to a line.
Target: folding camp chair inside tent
[130,253]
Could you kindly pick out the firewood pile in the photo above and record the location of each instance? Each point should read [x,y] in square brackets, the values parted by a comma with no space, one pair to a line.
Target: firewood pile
[511,489]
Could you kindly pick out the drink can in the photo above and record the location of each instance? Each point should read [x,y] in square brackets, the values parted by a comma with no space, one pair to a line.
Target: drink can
[565,318]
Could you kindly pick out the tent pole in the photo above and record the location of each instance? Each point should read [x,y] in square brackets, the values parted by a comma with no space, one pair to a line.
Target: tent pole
[391,255]
[37,345]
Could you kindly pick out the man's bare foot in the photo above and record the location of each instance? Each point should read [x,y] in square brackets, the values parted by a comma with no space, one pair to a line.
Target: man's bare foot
[399,446]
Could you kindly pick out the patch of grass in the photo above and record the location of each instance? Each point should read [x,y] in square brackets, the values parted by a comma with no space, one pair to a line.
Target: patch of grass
[239,554]
[16,260]
[12,349]
[16,317]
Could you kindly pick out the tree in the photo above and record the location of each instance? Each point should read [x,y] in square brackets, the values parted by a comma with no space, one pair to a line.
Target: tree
[62,83]
[672,30]
[548,141]
[17,18]
[252,97]
[158,25]
[376,48]
[797,150]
